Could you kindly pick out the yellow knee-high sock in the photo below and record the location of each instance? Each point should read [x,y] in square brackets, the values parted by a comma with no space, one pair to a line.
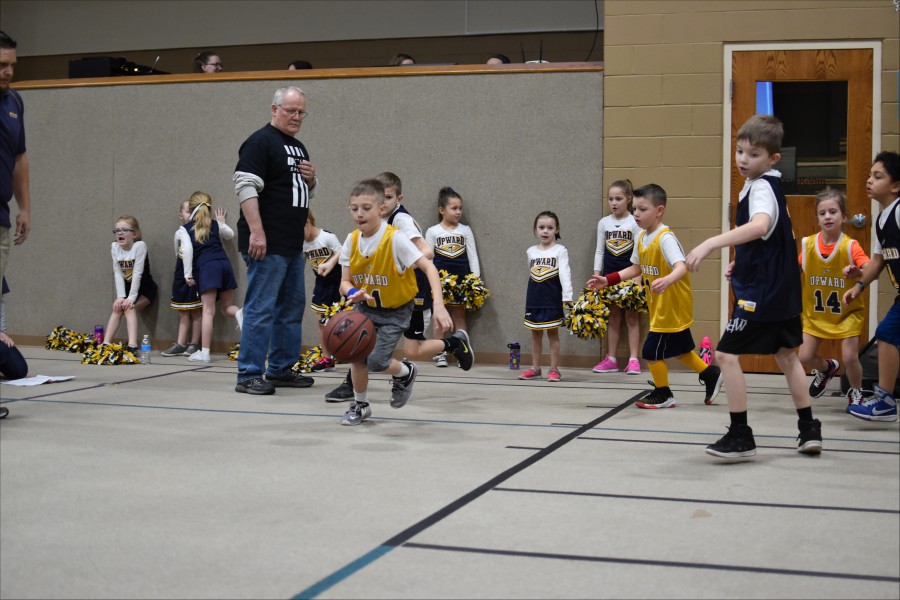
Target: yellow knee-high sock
[693,360]
[660,373]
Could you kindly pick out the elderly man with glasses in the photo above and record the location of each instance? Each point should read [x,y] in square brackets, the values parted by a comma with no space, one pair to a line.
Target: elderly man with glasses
[274,182]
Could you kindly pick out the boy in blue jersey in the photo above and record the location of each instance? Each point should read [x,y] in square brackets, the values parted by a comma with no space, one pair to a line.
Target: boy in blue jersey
[883,186]
[765,278]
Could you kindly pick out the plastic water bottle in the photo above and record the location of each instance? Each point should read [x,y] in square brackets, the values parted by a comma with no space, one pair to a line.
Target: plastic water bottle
[514,353]
[706,350]
[145,350]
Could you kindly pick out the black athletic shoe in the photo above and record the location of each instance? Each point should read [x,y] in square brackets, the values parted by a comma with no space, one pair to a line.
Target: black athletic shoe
[464,354]
[290,379]
[342,393]
[712,378]
[659,397]
[820,380]
[737,443]
[3,412]
[255,386]
[810,439]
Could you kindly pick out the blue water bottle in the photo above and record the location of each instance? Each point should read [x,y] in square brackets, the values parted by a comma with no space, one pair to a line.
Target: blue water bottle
[514,349]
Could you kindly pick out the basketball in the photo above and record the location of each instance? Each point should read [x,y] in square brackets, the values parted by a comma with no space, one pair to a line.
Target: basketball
[349,336]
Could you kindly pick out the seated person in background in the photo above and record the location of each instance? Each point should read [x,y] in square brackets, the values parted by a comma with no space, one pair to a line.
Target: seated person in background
[207,61]
[299,64]
[401,60]
[498,59]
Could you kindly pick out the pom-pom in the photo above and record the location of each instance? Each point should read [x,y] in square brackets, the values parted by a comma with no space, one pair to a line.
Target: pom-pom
[448,287]
[67,340]
[471,292]
[233,351]
[629,294]
[307,359]
[109,354]
[335,308]
[588,316]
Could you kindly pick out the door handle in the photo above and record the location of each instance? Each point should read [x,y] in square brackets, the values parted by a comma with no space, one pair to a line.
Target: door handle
[858,220]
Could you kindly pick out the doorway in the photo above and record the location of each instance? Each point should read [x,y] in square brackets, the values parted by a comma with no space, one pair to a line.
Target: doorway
[824,97]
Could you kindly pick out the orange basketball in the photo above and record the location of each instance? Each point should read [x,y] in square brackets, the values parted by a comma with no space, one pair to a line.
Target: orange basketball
[349,336]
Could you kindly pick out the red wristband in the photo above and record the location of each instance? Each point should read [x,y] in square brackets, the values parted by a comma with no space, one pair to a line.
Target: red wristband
[613,278]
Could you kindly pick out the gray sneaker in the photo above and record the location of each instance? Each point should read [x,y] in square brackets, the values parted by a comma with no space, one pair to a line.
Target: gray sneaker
[191,349]
[175,349]
[357,413]
[402,388]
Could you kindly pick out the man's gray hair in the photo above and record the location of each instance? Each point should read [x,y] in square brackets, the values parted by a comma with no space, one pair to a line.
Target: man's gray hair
[280,93]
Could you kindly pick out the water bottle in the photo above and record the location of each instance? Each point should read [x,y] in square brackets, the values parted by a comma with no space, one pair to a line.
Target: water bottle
[145,350]
[706,350]
[98,334]
[514,349]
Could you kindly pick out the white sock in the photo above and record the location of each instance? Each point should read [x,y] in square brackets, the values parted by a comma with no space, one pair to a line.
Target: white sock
[404,371]
[360,396]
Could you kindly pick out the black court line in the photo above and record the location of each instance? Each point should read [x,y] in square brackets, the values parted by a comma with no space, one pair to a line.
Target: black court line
[402,538]
[656,563]
[522,448]
[829,450]
[853,509]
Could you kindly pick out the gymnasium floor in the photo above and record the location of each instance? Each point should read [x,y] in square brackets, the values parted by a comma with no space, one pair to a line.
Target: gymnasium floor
[160,482]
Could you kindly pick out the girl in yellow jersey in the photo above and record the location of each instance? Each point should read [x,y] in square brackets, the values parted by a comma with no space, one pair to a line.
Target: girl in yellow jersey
[831,262]
[660,258]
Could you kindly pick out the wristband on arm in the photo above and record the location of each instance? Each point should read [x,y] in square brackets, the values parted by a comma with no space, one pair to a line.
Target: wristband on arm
[613,278]
[352,291]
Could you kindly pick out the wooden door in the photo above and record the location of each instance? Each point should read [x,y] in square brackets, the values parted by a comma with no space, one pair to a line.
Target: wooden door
[804,78]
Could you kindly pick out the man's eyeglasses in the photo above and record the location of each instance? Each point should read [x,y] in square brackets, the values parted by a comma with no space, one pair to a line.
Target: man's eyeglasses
[218,65]
[293,113]
[123,230]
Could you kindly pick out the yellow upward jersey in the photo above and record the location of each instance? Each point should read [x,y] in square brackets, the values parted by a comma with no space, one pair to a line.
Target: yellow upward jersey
[379,274]
[673,310]
[824,284]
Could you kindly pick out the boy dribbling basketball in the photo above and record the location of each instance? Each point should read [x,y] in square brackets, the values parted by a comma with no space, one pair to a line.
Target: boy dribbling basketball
[377,263]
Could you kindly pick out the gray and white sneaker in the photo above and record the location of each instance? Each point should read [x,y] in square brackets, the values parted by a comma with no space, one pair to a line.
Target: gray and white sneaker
[175,349]
[356,413]
[402,386]
[191,349]
[440,360]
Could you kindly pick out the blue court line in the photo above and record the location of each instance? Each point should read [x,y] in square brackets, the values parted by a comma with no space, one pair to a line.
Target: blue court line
[407,534]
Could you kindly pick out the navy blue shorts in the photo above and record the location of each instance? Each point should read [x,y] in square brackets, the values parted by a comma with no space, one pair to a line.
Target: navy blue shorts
[659,346]
[324,295]
[889,328]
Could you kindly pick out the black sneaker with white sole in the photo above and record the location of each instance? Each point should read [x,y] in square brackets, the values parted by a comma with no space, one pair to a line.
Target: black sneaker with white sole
[737,443]
[342,393]
[821,379]
[712,378]
[290,379]
[659,397]
[809,441]
[464,353]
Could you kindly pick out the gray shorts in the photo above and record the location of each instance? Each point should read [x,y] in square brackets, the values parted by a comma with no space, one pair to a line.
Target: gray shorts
[390,324]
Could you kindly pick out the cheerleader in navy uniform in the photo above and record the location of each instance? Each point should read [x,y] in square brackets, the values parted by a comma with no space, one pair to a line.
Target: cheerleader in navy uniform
[185,299]
[454,252]
[135,288]
[549,287]
[201,242]
[616,233]
[322,249]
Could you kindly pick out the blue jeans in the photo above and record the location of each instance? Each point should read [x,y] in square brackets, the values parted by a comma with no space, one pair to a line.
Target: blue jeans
[273,315]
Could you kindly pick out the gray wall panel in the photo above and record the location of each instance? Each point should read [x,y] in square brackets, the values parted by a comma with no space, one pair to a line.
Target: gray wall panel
[511,144]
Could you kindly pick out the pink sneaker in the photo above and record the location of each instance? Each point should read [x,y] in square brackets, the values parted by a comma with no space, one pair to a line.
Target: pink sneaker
[554,376]
[607,365]
[633,368]
[531,374]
